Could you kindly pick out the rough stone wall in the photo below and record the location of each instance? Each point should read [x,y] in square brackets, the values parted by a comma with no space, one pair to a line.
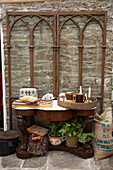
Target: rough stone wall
[66,5]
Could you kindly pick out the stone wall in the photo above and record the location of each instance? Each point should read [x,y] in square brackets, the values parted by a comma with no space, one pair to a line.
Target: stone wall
[69,49]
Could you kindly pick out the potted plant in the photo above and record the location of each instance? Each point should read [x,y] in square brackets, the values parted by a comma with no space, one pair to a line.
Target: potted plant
[55,137]
[85,137]
[71,128]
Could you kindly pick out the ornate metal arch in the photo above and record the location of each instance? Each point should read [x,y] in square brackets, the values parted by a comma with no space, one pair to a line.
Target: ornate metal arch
[56,31]
[91,15]
[21,16]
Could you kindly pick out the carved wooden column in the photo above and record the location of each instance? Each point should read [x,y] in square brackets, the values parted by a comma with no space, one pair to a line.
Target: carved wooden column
[25,119]
[22,128]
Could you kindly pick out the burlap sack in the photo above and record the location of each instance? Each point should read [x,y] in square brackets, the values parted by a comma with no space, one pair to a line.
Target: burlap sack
[103,143]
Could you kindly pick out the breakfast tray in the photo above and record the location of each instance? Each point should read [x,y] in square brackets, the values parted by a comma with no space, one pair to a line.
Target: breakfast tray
[78,106]
[47,103]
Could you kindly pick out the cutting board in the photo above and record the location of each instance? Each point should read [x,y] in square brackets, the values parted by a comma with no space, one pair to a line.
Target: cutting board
[42,103]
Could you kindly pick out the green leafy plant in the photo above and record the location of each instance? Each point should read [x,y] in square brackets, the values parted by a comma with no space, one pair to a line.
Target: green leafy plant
[55,127]
[72,127]
[85,137]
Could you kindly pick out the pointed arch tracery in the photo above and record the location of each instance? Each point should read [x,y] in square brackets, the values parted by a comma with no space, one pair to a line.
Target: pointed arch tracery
[20,16]
[56,26]
[91,17]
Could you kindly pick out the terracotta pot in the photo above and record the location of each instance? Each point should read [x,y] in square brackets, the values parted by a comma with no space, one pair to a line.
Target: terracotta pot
[56,140]
[71,141]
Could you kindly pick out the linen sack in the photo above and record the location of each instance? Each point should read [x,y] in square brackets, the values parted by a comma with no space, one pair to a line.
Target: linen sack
[103,143]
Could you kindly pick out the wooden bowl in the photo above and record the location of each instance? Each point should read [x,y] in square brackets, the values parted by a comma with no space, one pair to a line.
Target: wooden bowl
[79,106]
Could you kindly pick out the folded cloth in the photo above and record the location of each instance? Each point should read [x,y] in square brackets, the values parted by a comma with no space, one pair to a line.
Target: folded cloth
[47,96]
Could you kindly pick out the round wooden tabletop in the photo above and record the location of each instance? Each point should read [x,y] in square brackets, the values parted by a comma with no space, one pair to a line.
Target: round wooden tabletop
[59,114]
[79,106]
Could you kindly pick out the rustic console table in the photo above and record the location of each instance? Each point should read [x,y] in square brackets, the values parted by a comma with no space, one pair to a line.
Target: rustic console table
[25,118]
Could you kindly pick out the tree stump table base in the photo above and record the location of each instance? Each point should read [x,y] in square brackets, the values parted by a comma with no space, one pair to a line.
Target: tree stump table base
[79,150]
[23,154]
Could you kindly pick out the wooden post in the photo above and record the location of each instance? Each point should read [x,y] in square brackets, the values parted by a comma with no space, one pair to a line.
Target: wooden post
[20,1]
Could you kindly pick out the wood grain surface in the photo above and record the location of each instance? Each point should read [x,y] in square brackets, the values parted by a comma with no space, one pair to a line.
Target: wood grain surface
[79,106]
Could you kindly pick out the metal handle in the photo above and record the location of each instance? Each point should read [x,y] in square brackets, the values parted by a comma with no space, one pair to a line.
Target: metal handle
[10,144]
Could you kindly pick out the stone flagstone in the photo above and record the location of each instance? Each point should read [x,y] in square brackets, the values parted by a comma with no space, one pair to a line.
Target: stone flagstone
[55,160]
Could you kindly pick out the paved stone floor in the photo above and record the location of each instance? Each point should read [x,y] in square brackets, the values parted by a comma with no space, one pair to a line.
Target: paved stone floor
[55,160]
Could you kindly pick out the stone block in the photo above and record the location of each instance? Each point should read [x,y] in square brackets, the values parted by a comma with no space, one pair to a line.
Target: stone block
[69,46]
[10,161]
[35,162]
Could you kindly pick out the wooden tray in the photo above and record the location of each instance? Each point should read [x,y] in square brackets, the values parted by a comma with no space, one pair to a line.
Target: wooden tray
[34,105]
[38,130]
[79,106]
